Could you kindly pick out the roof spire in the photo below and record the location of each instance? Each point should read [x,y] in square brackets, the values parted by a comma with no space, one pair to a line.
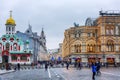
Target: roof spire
[42,28]
[10,13]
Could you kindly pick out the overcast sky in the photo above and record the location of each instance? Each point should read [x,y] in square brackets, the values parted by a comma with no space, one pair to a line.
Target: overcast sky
[53,15]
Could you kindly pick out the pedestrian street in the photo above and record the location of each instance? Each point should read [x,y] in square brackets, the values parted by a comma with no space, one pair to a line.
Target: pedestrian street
[61,74]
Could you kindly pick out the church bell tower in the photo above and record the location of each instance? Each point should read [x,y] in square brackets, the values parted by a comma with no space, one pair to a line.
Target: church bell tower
[10,25]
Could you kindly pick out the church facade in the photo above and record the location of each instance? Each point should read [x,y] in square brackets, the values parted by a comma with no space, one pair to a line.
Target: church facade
[37,42]
[13,50]
[99,40]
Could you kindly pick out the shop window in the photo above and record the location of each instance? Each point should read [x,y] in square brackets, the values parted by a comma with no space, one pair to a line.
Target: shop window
[110,60]
[24,58]
[14,58]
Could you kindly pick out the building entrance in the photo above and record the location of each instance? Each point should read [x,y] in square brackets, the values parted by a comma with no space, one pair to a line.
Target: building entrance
[5,56]
[5,59]
[110,60]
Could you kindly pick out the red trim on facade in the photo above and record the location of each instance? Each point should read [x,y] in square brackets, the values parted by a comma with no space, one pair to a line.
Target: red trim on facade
[18,55]
[11,39]
[5,52]
[4,39]
[28,55]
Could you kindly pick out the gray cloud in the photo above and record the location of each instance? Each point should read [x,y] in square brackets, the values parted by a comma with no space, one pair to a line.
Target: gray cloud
[54,15]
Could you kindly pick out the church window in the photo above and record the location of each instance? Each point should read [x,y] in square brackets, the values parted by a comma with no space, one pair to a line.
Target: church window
[12,28]
[9,29]
[15,47]
[7,46]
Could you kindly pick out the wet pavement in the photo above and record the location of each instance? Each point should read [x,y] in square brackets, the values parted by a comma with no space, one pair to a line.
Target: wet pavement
[62,74]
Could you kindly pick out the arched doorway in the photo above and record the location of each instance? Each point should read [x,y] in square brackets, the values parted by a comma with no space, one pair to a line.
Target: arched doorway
[5,56]
[5,59]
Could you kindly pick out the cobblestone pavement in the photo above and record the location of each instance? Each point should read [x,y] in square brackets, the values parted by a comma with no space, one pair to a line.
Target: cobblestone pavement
[62,74]
[31,74]
[86,74]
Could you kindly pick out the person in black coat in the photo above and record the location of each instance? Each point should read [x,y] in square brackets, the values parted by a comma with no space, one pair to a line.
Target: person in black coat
[46,66]
[67,65]
[98,65]
[18,66]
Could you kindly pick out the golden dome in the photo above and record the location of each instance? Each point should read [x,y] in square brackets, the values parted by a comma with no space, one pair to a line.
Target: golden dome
[10,21]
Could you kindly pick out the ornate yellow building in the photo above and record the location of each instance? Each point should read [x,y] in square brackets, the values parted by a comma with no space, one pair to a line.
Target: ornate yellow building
[99,39]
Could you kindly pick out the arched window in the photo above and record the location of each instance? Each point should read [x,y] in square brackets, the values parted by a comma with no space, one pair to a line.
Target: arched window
[7,46]
[109,31]
[15,46]
[91,48]
[78,48]
[110,45]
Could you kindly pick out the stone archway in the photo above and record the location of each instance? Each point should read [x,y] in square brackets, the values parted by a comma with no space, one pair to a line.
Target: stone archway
[91,46]
[5,56]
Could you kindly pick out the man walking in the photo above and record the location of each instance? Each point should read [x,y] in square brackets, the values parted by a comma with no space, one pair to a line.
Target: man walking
[46,66]
[94,71]
[18,65]
[67,65]
[98,65]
